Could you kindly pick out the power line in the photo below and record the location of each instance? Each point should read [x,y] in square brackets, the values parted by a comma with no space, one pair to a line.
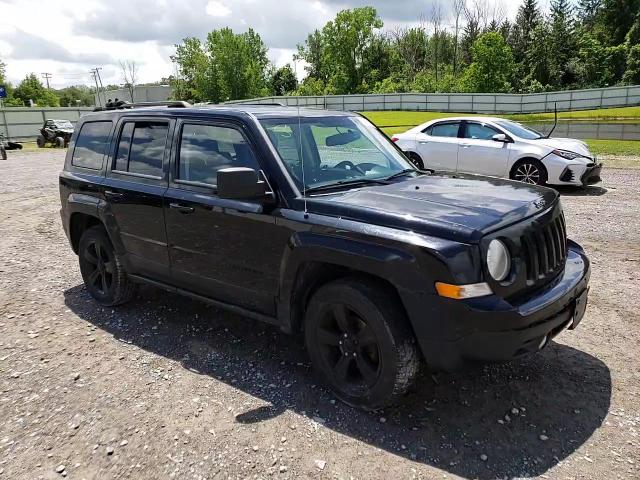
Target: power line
[95,79]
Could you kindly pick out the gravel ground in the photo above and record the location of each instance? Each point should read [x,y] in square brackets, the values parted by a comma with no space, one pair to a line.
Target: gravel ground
[165,387]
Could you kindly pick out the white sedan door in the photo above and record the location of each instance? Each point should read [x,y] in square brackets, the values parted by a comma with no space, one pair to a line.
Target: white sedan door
[437,145]
[479,153]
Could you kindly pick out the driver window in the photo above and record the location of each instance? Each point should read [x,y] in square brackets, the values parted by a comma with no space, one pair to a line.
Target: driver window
[479,131]
[335,144]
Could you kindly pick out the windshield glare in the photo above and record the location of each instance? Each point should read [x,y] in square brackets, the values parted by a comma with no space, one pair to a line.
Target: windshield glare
[519,130]
[333,150]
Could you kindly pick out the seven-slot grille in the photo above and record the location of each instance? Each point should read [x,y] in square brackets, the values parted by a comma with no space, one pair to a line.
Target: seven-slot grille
[544,251]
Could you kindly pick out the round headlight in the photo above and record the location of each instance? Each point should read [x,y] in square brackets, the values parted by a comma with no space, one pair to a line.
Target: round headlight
[498,260]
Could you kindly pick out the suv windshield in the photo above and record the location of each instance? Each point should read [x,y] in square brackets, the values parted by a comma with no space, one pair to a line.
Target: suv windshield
[519,130]
[337,150]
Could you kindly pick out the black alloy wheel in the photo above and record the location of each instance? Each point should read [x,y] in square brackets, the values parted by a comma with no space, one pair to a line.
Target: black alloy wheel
[102,271]
[349,347]
[360,342]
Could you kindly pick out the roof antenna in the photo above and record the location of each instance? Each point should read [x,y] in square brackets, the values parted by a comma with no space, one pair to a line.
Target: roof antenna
[304,183]
[555,115]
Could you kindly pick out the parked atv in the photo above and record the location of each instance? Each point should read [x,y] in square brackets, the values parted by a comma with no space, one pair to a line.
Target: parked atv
[55,132]
[6,145]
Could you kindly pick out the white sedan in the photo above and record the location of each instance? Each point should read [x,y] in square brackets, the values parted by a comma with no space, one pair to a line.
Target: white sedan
[499,148]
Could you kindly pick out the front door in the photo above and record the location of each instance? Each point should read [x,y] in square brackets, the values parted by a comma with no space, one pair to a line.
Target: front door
[479,153]
[135,185]
[227,250]
[438,145]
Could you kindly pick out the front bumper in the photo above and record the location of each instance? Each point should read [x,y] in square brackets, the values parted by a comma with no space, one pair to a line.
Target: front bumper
[491,329]
[592,175]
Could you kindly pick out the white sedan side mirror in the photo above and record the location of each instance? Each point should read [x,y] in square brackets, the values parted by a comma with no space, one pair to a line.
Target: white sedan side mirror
[500,137]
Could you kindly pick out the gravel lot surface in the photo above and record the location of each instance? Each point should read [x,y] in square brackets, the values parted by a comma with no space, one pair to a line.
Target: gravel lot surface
[166,387]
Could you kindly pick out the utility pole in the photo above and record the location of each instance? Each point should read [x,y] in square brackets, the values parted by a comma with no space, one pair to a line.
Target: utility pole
[47,76]
[97,69]
[95,79]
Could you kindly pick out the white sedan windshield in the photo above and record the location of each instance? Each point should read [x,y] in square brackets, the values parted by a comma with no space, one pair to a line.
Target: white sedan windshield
[333,150]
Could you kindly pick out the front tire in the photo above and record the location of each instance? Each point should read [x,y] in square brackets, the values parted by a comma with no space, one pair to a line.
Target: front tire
[360,343]
[40,141]
[416,160]
[529,170]
[102,270]
[59,142]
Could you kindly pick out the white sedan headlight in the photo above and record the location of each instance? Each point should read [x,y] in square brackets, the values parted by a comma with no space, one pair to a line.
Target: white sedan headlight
[498,260]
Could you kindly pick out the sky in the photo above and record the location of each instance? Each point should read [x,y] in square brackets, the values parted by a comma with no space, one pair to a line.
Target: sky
[67,39]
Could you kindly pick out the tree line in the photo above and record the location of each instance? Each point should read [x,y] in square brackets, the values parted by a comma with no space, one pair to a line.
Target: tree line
[471,48]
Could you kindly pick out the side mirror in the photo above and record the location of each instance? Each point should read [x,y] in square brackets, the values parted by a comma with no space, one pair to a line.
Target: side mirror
[500,137]
[240,183]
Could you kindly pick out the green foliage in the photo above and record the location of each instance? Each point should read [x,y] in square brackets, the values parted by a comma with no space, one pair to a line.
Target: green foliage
[632,73]
[227,66]
[311,86]
[31,88]
[492,66]
[284,81]
[75,96]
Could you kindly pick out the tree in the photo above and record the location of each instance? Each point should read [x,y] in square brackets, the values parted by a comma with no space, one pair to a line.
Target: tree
[31,90]
[492,66]
[337,53]
[228,66]
[410,45]
[129,76]
[588,11]
[284,80]
[458,10]
[80,95]
[562,41]
[617,17]
[632,73]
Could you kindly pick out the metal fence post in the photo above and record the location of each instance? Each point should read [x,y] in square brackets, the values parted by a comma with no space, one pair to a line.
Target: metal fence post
[6,125]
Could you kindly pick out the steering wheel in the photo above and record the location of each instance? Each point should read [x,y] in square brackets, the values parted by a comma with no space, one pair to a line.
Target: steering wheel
[348,165]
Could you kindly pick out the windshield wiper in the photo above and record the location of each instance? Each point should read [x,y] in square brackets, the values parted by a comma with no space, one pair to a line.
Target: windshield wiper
[347,183]
[403,172]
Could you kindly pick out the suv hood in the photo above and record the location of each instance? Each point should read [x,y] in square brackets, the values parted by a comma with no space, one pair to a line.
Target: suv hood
[570,144]
[461,208]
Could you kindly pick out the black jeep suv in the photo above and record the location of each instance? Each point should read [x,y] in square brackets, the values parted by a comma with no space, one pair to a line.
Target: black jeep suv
[315,222]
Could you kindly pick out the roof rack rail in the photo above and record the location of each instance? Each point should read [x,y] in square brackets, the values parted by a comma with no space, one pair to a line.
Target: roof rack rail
[123,105]
[266,104]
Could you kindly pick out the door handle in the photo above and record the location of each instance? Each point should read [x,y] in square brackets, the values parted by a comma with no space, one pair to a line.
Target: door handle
[113,194]
[182,208]
[423,142]
[465,145]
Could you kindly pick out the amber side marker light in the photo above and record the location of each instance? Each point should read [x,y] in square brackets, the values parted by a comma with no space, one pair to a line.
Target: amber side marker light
[459,292]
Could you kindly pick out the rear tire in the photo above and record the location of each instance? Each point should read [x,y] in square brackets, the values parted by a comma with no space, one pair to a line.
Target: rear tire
[3,153]
[529,170]
[416,160]
[360,343]
[102,270]
[41,141]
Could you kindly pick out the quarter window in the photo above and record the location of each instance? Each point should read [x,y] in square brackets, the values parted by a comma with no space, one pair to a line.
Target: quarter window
[448,129]
[90,145]
[141,148]
[205,149]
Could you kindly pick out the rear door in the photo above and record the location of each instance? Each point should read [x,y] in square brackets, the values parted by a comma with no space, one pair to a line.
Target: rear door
[479,153]
[437,145]
[137,179]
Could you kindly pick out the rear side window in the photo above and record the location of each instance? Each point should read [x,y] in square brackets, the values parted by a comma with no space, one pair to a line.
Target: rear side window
[90,145]
[449,129]
[205,149]
[141,148]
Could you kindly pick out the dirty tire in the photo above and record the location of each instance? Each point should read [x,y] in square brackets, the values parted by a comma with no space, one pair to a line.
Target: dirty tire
[360,342]
[416,160]
[59,142]
[529,170]
[40,141]
[102,270]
